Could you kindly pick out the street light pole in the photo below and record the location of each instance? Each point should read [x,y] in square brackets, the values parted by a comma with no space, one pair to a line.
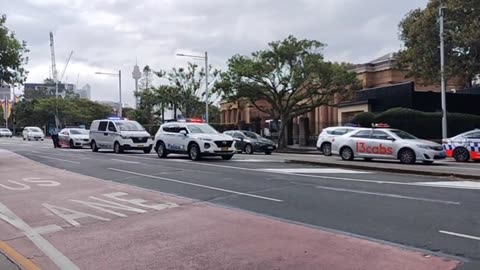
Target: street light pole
[119,75]
[207,99]
[206,87]
[120,93]
[442,71]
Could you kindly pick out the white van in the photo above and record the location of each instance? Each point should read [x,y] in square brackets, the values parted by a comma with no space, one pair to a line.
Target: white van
[119,135]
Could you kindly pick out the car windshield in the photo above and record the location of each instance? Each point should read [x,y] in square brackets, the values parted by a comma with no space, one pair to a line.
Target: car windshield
[34,129]
[129,126]
[250,134]
[202,129]
[403,135]
[78,131]
[4,129]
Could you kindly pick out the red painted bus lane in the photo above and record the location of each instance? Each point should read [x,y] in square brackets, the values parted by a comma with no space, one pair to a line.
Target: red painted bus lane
[62,220]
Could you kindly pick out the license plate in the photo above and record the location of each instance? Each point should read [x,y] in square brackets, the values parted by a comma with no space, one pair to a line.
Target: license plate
[224,148]
[140,145]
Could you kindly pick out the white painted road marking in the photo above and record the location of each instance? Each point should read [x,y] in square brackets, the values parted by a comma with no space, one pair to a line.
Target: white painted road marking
[58,159]
[48,249]
[199,185]
[126,161]
[461,235]
[387,195]
[314,170]
[452,184]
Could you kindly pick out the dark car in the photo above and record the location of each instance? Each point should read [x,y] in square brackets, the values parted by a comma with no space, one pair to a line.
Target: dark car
[250,142]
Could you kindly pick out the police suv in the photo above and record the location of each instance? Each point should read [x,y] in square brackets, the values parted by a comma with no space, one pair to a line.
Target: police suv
[195,139]
[464,147]
[386,143]
[120,135]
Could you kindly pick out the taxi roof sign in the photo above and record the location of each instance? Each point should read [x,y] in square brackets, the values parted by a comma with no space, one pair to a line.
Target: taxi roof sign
[380,125]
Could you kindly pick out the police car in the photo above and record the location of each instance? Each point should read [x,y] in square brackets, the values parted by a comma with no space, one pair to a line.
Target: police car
[464,147]
[195,139]
[386,143]
[324,141]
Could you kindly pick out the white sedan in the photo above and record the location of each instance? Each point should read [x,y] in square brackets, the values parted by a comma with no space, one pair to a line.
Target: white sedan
[5,132]
[386,143]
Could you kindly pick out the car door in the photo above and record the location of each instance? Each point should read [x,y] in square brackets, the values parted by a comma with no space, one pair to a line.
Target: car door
[381,145]
[100,135]
[170,137]
[63,137]
[239,140]
[474,141]
[111,135]
[183,139]
[359,142]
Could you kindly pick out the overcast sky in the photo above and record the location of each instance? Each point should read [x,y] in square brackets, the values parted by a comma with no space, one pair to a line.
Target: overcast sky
[108,35]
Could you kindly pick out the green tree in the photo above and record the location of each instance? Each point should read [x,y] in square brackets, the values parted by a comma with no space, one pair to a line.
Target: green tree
[187,90]
[419,31]
[12,56]
[146,82]
[291,75]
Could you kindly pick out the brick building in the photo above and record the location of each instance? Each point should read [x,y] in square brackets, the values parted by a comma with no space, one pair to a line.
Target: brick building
[378,73]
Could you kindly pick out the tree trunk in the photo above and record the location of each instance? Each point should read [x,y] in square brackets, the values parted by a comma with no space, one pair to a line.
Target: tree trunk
[282,137]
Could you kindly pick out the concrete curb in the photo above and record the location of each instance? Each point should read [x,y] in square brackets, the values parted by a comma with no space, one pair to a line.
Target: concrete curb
[301,152]
[383,169]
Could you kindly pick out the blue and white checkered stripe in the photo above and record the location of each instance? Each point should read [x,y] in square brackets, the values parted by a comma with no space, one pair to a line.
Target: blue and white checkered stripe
[474,146]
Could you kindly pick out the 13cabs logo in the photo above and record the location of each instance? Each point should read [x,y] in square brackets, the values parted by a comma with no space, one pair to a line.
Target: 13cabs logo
[380,149]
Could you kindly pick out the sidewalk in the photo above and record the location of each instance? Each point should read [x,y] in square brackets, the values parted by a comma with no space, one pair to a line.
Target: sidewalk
[443,168]
[63,220]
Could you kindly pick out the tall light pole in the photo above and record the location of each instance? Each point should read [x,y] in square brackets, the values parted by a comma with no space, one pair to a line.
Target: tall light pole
[442,72]
[136,75]
[119,75]
[207,99]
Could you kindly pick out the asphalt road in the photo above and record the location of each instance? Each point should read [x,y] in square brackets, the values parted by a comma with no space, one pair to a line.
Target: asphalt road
[414,211]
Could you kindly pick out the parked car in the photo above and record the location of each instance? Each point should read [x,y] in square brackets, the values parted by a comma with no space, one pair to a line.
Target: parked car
[33,133]
[5,132]
[194,139]
[74,137]
[464,147]
[250,142]
[385,143]
[325,138]
[119,135]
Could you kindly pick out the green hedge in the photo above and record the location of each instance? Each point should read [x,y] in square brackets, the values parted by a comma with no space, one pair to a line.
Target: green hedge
[421,124]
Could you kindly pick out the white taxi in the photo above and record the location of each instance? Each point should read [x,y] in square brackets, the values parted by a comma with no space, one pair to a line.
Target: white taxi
[195,139]
[386,143]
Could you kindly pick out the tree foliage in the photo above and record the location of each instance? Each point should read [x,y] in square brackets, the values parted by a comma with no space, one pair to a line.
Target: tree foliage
[12,56]
[291,75]
[71,112]
[419,31]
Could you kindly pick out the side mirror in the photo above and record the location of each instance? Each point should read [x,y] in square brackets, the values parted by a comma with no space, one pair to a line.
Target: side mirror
[183,132]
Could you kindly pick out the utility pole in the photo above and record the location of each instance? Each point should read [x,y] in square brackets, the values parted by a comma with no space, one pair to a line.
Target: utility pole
[442,71]
[206,87]
[120,93]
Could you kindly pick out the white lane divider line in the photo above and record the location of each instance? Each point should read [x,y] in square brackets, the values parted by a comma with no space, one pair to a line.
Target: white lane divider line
[46,247]
[452,184]
[315,170]
[387,195]
[125,161]
[199,185]
[58,159]
[461,235]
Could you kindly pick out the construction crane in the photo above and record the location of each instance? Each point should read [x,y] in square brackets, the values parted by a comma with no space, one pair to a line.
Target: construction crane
[66,65]
[52,55]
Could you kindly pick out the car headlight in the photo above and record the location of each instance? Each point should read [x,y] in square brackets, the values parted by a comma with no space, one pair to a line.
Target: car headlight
[206,139]
[125,137]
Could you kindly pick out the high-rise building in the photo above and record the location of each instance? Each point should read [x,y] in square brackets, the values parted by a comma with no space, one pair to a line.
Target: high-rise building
[85,92]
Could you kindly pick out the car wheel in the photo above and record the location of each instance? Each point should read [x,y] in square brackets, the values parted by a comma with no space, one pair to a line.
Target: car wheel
[194,152]
[327,149]
[407,156]
[94,147]
[161,150]
[268,153]
[248,149]
[70,143]
[346,153]
[117,148]
[147,150]
[227,157]
[461,154]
